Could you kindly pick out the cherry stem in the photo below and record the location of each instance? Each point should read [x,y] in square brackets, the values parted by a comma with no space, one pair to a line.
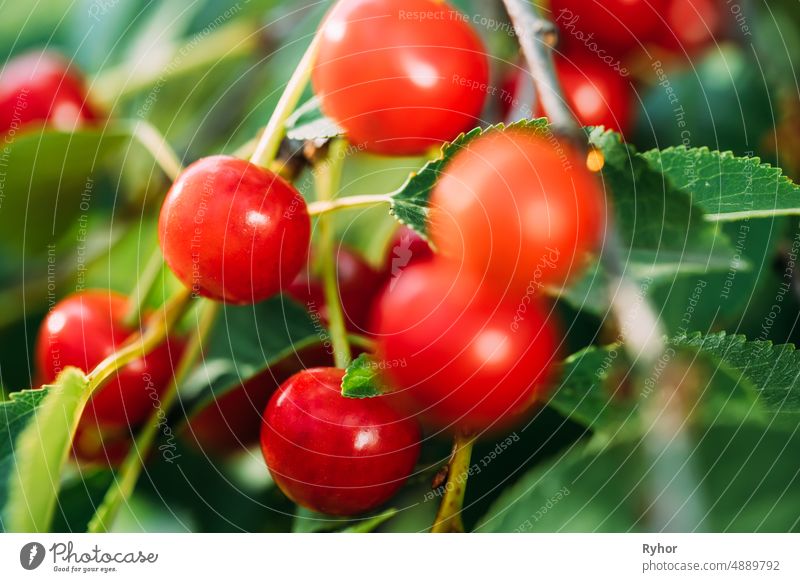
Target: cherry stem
[236,39]
[128,474]
[448,518]
[270,141]
[537,36]
[327,176]
[145,285]
[324,206]
[667,444]
[158,325]
[155,143]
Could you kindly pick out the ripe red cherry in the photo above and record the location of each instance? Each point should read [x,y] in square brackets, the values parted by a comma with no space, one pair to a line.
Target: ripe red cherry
[400,76]
[358,285]
[517,211]
[608,26]
[40,87]
[336,455]
[469,359]
[233,231]
[232,422]
[84,329]
[595,93]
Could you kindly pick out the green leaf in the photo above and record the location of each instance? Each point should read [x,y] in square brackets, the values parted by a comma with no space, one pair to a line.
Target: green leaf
[362,379]
[725,186]
[749,483]
[410,201]
[773,369]
[652,213]
[596,391]
[50,179]
[308,122]
[37,431]
[246,341]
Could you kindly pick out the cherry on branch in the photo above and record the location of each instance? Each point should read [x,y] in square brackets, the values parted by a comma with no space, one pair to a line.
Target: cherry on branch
[233,231]
[400,76]
[457,352]
[84,329]
[336,455]
[517,210]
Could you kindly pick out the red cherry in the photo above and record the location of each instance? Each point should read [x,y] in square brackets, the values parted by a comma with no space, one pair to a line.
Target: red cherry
[233,231]
[595,92]
[233,422]
[40,87]
[400,76]
[84,329]
[336,455]
[469,359]
[358,284]
[691,25]
[608,26]
[517,211]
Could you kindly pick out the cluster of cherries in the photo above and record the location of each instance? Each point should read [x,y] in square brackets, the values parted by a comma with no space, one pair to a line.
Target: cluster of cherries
[467,340]
[602,47]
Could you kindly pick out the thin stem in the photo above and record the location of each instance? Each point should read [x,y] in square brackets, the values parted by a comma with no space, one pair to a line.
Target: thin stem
[327,177]
[270,140]
[324,206]
[145,285]
[448,518]
[157,145]
[665,440]
[131,468]
[158,326]
[537,36]
[235,39]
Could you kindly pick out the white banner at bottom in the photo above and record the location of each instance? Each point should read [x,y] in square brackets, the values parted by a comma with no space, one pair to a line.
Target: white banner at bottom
[356,557]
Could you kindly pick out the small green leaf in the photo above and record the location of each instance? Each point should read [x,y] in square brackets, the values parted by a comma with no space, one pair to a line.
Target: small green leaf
[36,428]
[362,378]
[651,212]
[410,201]
[725,186]
[308,122]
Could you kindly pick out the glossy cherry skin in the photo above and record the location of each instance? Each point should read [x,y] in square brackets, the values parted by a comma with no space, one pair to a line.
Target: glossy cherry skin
[596,94]
[517,212]
[358,285]
[608,26]
[400,76]
[470,360]
[85,328]
[40,87]
[233,231]
[336,455]
[232,422]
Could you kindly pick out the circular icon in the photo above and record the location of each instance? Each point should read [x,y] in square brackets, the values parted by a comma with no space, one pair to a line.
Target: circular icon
[31,555]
